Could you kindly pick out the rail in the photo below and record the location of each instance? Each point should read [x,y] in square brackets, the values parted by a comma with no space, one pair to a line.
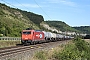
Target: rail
[10,38]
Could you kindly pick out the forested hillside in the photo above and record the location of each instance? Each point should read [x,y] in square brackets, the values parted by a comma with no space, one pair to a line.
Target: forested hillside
[35,18]
[13,21]
[84,29]
[62,26]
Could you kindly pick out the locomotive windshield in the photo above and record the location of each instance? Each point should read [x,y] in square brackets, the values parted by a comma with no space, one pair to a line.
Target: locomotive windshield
[26,32]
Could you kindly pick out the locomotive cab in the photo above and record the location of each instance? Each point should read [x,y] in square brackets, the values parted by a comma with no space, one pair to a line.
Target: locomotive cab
[31,36]
[27,36]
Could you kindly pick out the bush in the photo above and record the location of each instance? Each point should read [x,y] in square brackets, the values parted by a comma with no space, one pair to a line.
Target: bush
[81,44]
[83,47]
[78,50]
[69,53]
[40,55]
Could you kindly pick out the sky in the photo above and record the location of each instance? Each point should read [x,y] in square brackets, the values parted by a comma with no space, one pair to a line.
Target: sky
[72,12]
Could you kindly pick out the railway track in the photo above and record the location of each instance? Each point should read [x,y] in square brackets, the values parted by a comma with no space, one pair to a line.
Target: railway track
[7,52]
[10,51]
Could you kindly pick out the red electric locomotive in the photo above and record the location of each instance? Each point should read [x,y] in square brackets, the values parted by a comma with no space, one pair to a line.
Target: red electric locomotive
[32,36]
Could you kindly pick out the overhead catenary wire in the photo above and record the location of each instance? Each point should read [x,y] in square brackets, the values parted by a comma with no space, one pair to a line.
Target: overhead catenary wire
[27,8]
[22,5]
[42,9]
[14,5]
[37,5]
[8,3]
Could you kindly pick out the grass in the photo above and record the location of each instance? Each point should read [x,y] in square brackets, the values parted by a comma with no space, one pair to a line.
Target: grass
[41,55]
[78,49]
[8,43]
[48,54]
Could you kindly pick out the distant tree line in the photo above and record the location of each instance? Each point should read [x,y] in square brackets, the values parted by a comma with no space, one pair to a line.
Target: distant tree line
[84,29]
[62,26]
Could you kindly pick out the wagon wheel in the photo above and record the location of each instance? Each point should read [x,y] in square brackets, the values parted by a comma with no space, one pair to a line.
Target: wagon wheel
[32,43]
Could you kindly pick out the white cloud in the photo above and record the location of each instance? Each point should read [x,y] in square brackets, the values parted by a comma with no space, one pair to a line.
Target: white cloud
[69,3]
[53,1]
[27,5]
[65,2]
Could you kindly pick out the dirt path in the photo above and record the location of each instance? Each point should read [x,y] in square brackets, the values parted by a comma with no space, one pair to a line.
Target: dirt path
[87,40]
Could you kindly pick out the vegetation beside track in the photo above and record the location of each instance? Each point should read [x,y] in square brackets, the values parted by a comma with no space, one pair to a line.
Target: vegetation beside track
[8,43]
[77,50]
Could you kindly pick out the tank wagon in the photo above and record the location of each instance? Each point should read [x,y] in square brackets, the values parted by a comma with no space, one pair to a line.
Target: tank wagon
[60,37]
[34,36]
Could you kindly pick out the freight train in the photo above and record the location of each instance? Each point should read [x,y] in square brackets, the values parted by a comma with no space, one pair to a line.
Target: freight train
[37,36]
